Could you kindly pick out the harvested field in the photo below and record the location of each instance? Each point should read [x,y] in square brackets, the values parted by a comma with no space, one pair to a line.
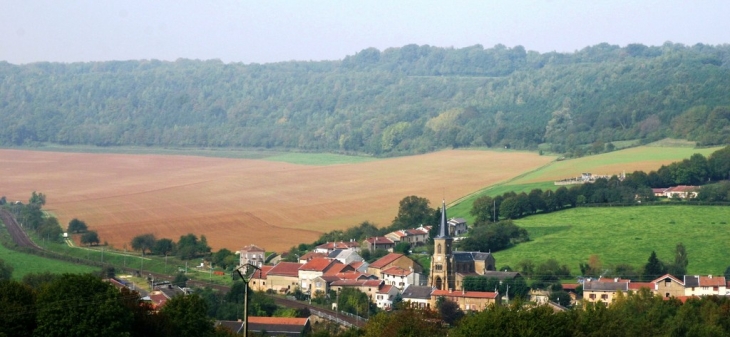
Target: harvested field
[234,202]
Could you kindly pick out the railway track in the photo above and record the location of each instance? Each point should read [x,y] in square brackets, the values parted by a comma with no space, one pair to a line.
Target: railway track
[17,233]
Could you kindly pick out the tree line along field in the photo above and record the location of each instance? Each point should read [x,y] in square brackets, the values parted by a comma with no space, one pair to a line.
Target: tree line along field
[235,202]
[626,235]
[644,158]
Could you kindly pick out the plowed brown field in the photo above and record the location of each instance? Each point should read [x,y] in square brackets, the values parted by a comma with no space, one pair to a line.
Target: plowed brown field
[235,202]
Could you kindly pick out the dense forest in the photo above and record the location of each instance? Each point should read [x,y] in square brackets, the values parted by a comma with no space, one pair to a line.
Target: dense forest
[411,99]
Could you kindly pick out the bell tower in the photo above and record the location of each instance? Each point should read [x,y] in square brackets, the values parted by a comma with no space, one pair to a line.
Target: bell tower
[442,276]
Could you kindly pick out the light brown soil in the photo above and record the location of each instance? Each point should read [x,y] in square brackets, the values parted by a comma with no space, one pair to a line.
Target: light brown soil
[235,202]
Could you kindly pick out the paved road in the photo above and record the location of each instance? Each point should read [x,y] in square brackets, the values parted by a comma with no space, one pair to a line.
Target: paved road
[22,240]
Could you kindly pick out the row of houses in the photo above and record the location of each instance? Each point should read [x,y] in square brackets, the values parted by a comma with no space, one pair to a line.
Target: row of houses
[666,286]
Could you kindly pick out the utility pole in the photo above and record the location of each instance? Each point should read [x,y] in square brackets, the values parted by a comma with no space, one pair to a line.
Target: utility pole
[246,272]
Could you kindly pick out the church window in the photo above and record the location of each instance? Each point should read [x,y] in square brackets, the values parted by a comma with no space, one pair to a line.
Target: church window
[438,248]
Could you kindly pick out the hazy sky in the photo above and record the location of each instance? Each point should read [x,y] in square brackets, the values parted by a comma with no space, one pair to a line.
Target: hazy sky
[270,31]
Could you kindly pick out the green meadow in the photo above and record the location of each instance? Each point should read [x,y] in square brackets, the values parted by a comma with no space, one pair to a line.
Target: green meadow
[648,156]
[24,263]
[626,235]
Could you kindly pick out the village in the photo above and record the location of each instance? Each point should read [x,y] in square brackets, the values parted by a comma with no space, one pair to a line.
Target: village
[334,266]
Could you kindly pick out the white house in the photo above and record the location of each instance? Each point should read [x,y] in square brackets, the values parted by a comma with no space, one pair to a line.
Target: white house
[401,278]
[252,254]
[385,296]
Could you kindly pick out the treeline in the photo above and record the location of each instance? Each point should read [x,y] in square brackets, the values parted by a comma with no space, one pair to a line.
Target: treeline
[404,100]
[84,305]
[635,187]
[186,248]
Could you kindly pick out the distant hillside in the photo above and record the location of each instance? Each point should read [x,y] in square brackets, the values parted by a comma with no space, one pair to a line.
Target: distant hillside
[404,100]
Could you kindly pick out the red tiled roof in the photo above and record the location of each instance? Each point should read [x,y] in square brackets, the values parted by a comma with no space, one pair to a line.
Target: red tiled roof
[465,294]
[290,269]
[682,188]
[357,283]
[570,286]
[351,276]
[385,289]
[385,260]
[278,320]
[356,264]
[264,271]
[338,245]
[311,255]
[398,233]
[663,277]
[337,268]
[158,300]
[639,285]
[712,281]
[379,240]
[252,248]
[416,231]
[397,271]
[318,264]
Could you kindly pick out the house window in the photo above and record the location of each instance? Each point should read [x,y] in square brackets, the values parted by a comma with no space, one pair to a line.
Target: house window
[604,297]
[592,296]
[666,295]
[715,288]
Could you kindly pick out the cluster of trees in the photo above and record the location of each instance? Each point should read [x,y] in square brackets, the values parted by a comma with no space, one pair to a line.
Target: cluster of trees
[55,305]
[493,237]
[84,305]
[188,247]
[31,217]
[404,100]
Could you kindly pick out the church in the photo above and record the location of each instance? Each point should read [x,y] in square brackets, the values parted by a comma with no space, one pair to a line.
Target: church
[449,268]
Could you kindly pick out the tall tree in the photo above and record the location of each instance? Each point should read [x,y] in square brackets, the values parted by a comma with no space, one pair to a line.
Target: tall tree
[90,238]
[18,314]
[76,226]
[187,316]
[143,243]
[6,270]
[413,211]
[81,305]
[653,268]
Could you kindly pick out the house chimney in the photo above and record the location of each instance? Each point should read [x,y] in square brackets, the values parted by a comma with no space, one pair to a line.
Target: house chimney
[709,276]
[451,290]
[615,279]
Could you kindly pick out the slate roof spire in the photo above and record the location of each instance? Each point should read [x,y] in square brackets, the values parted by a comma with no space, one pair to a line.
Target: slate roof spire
[443,227]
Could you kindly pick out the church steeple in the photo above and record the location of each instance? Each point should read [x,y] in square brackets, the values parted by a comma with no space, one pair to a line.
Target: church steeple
[443,227]
[442,276]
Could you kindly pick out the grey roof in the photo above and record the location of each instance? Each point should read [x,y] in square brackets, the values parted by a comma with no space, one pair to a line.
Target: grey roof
[691,281]
[455,221]
[502,275]
[470,256]
[417,292]
[443,233]
[334,253]
[605,286]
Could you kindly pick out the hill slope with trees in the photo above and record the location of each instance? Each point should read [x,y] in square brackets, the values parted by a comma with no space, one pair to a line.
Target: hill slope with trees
[412,99]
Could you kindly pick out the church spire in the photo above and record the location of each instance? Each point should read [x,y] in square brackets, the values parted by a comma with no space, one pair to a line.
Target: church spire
[444,227]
